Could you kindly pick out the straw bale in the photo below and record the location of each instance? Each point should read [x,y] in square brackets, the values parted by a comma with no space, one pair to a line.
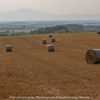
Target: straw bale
[50,35]
[93,56]
[43,41]
[98,32]
[53,39]
[50,48]
[8,48]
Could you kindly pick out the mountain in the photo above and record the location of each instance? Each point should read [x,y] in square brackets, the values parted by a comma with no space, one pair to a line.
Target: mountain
[30,14]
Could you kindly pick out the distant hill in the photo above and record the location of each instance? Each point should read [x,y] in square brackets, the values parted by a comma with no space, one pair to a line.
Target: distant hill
[30,14]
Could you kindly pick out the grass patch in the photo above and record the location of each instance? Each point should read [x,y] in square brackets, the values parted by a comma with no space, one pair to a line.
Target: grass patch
[42,34]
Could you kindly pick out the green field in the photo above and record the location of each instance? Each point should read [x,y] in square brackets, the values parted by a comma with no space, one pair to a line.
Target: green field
[16,30]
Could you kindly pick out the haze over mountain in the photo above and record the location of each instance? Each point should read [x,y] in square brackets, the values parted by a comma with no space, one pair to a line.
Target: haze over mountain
[30,14]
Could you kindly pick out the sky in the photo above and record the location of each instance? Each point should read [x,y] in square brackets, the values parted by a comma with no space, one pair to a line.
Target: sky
[53,6]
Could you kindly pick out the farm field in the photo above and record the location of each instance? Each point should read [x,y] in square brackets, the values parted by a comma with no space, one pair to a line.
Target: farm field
[15,30]
[30,70]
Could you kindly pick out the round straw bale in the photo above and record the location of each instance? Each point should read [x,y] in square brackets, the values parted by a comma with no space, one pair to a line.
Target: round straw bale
[50,48]
[50,35]
[98,32]
[93,56]
[43,41]
[53,39]
[8,48]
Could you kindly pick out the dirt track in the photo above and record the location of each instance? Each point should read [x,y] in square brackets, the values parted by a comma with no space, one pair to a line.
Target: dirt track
[29,70]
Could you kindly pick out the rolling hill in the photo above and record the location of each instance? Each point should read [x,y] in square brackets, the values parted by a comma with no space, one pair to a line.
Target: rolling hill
[30,14]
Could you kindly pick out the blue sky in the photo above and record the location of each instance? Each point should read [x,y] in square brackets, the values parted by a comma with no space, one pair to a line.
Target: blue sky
[53,6]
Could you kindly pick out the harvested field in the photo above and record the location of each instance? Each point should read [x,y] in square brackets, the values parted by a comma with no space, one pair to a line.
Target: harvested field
[29,70]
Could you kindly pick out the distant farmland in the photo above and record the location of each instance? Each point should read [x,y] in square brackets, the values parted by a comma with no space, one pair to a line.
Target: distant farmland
[30,70]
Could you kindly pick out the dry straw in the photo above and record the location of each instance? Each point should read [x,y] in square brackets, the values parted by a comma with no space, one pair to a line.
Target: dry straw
[8,48]
[53,39]
[43,41]
[93,56]
[50,48]
[50,35]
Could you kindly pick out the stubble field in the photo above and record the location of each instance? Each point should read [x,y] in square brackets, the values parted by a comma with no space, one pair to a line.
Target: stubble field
[30,70]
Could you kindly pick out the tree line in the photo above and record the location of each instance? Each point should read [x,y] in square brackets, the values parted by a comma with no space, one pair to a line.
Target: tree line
[55,29]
